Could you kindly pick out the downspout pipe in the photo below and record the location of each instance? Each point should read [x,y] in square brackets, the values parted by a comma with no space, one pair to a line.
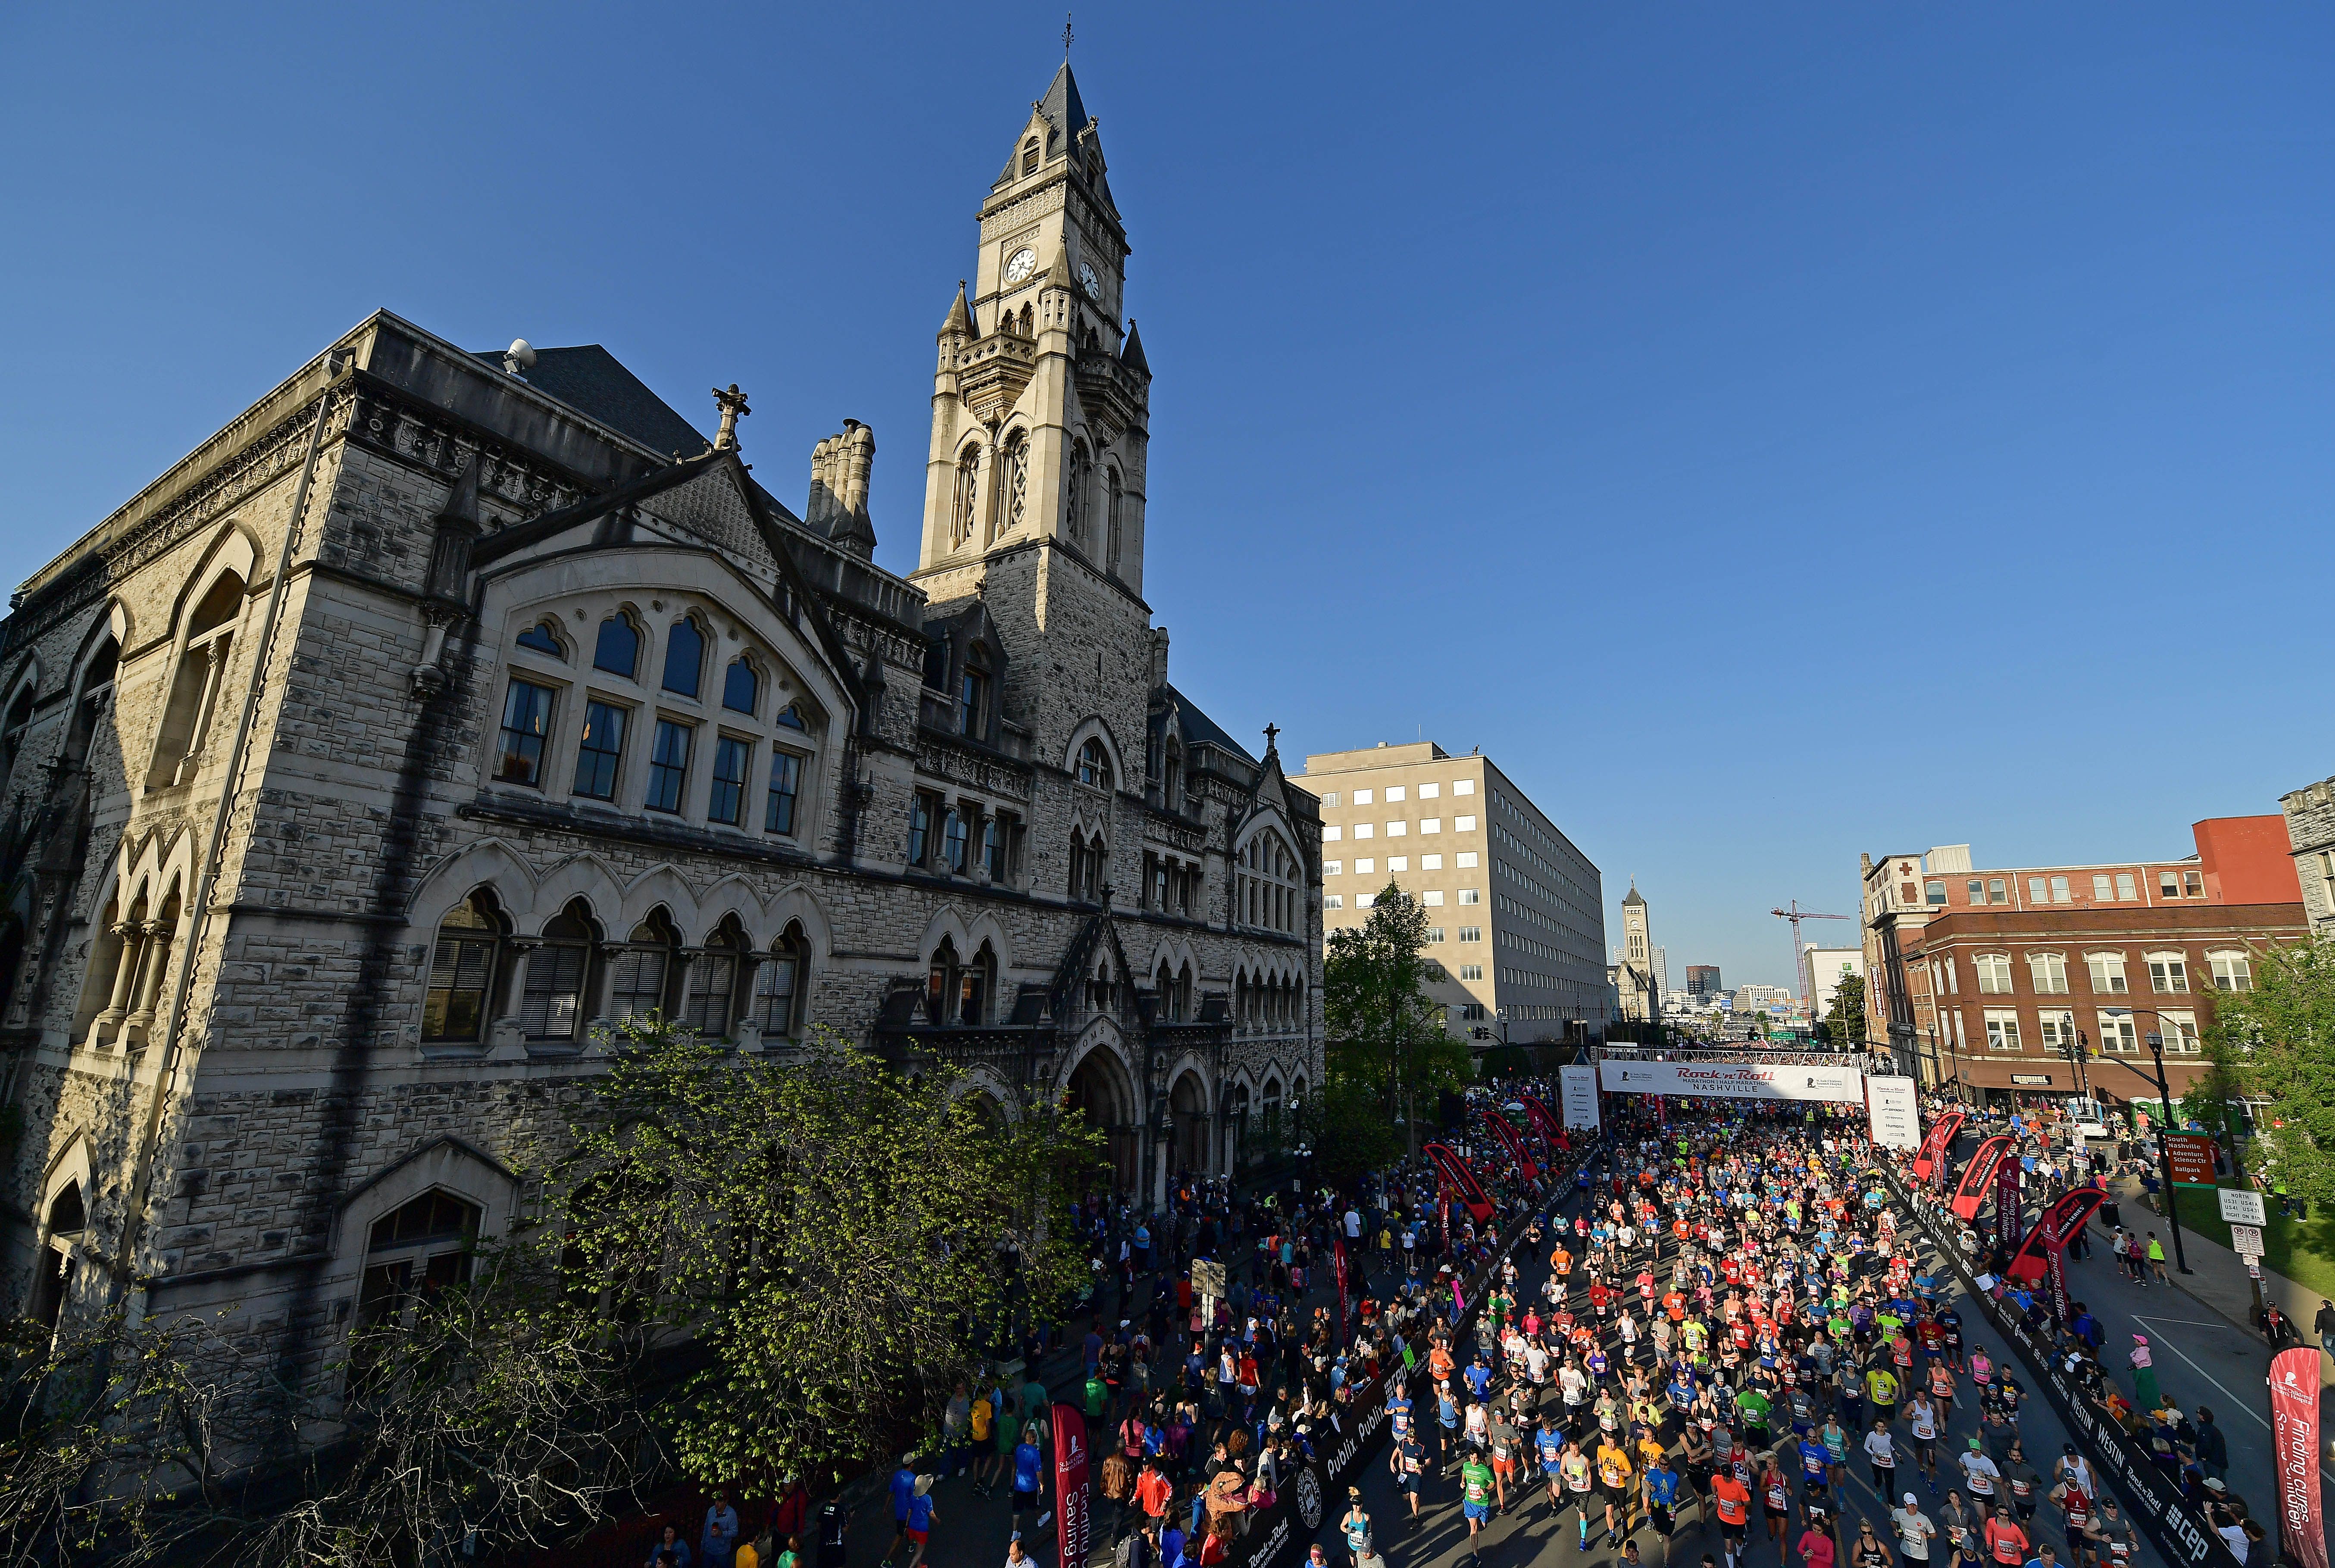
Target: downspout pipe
[337,363]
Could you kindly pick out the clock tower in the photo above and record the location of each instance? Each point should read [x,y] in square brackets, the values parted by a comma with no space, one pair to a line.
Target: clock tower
[1040,396]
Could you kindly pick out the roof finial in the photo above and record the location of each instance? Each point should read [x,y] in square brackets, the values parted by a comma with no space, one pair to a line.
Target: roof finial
[1272,733]
[732,403]
[1067,36]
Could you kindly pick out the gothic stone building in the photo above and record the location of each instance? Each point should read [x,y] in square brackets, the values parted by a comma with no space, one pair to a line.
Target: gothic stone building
[532,711]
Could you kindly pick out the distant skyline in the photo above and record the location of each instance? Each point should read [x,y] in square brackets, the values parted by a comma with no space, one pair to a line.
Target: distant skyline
[1771,434]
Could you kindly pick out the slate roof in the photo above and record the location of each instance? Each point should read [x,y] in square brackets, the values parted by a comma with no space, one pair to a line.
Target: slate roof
[1198,727]
[594,382]
[1062,104]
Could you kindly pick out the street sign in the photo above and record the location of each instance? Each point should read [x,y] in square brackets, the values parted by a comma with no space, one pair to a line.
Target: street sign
[2243,1208]
[2246,1242]
[2190,1156]
[1208,1277]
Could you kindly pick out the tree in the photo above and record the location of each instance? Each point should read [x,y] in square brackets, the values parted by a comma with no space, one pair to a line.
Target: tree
[2276,1043]
[840,1240]
[1374,998]
[1845,1024]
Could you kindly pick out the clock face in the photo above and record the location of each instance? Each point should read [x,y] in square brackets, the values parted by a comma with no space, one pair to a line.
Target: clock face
[1020,264]
[1090,281]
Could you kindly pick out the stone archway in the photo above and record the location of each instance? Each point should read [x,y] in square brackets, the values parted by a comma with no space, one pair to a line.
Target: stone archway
[1102,1087]
[1188,1109]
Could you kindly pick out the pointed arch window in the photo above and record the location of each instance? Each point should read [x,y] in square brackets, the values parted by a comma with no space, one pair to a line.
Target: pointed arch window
[741,686]
[412,1254]
[12,729]
[685,657]
[1014,484]
[1074,503]
[619,649]
[462,970]
[973,699]
[714,981]
[967,491]
[642,969]
[551,1010]
[543,637]
[778,984]
[1113,499]
[195,690]
[1029,157]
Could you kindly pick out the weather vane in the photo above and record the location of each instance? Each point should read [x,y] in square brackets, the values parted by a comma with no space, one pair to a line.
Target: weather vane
[1066,36]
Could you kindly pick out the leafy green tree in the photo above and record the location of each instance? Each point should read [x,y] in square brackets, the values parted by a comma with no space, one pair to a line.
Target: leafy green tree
[2276,1043]
[840,1240]
[1374,978]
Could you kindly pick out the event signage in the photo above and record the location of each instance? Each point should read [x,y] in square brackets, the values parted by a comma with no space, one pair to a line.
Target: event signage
[1893,1111]
[1506,1133]
[1338,1255]
[1071,1522]
[2010,1206]
[1578,1088]
[2294,1436]
[1552,1136]
[1457,1180]
[1941,1139]
[1731,1081]
[1970,1194]
[2190,1156]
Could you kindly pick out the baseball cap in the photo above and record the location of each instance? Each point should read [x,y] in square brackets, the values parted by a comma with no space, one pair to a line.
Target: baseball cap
[1975,1445]
[1909,1499]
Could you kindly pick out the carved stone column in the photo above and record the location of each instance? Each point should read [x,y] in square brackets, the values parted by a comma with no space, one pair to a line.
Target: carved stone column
[125,972]
[747,1027]
[153,958]
[507,1036]
[599,1029]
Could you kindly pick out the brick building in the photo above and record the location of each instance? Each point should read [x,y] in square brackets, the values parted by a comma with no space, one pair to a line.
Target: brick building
[555,716]
[1985,977]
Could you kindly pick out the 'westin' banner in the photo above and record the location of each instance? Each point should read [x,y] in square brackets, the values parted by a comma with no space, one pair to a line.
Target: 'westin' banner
[1731,1080]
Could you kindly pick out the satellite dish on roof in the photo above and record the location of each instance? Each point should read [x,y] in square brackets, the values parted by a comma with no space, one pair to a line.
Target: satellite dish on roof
[519,356]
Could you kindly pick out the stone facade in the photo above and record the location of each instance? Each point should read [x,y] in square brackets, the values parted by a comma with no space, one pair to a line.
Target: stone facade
[529,720]
[2310,830]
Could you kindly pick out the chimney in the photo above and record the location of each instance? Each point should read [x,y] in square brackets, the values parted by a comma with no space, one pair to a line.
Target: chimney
[840,469]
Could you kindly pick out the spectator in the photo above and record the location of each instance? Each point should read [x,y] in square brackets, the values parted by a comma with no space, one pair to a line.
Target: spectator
[719,1542]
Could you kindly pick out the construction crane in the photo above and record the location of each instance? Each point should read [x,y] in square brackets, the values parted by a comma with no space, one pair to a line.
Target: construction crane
[1800,957]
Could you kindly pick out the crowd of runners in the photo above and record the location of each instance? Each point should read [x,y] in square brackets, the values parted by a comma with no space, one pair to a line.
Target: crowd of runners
[1722,1328]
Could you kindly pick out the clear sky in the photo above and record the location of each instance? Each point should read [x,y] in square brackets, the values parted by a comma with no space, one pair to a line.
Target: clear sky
[1771,432]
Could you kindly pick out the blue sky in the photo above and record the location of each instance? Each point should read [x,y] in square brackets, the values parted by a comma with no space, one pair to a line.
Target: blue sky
[1771,432]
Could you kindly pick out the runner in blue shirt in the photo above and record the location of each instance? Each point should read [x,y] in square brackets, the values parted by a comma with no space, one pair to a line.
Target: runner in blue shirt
[1479,1377]
[1029,1476]
[1399,1414]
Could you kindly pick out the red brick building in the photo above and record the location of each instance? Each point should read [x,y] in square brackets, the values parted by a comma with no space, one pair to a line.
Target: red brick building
[1992,973]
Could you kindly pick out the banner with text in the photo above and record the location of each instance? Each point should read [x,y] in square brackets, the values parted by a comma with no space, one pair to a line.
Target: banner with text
[1731,1081]
[1895,1112]
[1578,1087]
[2295,1415]
[1071,1519]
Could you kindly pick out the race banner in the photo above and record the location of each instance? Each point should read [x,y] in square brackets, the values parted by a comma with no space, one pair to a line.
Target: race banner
[1457,1179]
[1935,1146]
[1893,1111]
[2294,1429]
[1970,1193]
[2009,1206]
[2039,1256]
[1506,1133]
[1552,1136]
[1731,1080]
[1338,1256]
[1578,1088]
[1071,1525]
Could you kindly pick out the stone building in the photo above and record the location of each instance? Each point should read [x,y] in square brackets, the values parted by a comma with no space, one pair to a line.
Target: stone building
[533,709]
[2310,814]
[1632,972]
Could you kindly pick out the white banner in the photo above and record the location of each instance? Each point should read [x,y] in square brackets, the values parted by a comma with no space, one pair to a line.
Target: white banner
[1578,1087]
[1731,1080]
[1895,1112]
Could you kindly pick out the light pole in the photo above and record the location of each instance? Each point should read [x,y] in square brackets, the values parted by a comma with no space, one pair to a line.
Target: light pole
[2163,1150]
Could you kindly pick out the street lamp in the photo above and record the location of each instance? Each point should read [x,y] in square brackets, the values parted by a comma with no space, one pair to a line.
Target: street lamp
[2163,1150]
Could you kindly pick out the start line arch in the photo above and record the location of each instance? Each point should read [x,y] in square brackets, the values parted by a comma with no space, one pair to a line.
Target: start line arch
[1890,1102]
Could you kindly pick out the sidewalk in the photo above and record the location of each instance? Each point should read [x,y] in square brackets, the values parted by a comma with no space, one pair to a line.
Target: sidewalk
[2217,1277]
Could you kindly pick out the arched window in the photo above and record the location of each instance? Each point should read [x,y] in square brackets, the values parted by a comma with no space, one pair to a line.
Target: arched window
[1074,503]
[1111,502]
[462,970]
[1029,158]
[543,637]
[741,687]
[1094,765]
[685,657]
[714,981]
[778,986]
[68,1217]
[643,968]
[551,1011]
[1171,789]
[968,488]
[973,699]
[1028,321]
[195,690]
[618,651]
[1163,985]
[1086,867]
[1266,890]
[940,982]
[1013,498]
[413,1253]
[12,729]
